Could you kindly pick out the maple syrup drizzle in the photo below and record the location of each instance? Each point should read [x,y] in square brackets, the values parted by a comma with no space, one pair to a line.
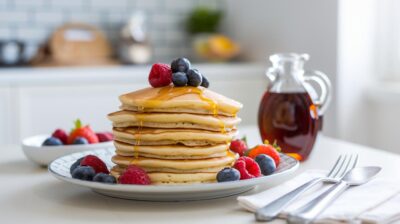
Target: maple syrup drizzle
[140,108]
[137,141]
[171,92]
[230,154]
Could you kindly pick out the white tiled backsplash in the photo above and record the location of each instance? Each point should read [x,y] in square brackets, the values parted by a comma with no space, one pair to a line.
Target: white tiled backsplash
[31,21]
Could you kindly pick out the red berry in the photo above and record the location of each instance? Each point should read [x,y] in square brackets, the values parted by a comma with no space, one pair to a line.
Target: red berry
[160,75]
[105,136]
[85,132]
[62,135]
[266,149]
[238,146]
[96,163]
[134,175]
[247,167]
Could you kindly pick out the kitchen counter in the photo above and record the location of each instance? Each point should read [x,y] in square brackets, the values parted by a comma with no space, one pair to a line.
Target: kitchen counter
[117,74]
[29,194]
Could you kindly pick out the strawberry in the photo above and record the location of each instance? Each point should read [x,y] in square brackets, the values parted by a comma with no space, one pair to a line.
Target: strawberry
[105,136]
[238,146]
[247,167]
[96,163]
[60,134]
[267,149]
[85,132]
[160,75]
[134,175]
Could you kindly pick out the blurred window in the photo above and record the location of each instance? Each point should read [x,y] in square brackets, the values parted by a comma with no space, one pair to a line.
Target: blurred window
[387,34]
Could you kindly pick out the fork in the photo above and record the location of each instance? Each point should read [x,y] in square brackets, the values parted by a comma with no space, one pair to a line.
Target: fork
[343,164]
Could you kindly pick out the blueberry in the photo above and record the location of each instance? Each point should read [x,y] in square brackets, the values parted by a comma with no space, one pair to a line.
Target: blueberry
[80,141]
[75,165]
[179,79]
[194,77]
[228,174]
[205,82]
[52,141]
[266,163]
[104,178]
[180,65]
[83,173]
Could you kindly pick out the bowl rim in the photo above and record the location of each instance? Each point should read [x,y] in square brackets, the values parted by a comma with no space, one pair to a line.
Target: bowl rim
[25,144]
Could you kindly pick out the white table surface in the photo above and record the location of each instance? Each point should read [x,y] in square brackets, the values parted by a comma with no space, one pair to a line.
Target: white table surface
[29,194]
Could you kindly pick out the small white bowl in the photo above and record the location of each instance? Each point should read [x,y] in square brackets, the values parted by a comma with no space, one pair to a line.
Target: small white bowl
[43,155]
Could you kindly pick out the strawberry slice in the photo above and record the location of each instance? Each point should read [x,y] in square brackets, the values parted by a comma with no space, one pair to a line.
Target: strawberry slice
[84,132]
[267,149]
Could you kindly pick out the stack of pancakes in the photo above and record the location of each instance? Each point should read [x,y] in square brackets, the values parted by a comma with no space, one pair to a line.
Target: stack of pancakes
[179,135]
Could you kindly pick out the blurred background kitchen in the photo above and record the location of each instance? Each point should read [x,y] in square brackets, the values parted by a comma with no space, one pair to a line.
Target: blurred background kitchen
[62,60]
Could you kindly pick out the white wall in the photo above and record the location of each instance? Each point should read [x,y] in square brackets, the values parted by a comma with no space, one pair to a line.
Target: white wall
[264,27]
[369,105]
[356,68]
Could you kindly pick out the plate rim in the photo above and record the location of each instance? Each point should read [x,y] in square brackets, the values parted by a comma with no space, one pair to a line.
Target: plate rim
[167,188]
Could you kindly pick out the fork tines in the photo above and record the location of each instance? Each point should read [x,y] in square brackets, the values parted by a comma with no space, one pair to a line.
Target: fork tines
[342,165]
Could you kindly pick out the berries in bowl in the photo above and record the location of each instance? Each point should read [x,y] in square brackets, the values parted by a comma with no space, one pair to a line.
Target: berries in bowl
[42,149]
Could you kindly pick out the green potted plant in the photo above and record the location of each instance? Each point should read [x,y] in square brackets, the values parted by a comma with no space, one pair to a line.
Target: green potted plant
[203,20]
[203,25]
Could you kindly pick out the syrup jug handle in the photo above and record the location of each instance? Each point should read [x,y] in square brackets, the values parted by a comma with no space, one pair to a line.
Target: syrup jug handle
[325,89]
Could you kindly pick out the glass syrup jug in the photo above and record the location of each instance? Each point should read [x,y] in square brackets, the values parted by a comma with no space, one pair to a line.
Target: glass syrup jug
[288,115]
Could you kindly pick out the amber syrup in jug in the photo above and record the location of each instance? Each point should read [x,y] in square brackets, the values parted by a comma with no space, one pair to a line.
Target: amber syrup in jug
[287,114]
[291,120]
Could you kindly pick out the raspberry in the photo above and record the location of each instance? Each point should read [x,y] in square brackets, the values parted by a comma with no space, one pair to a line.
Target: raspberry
[266,149]
[134,175]
[96,163]
[238,146]
[85,132]
[62,135]
[247,167]
[160,75]
[105,136]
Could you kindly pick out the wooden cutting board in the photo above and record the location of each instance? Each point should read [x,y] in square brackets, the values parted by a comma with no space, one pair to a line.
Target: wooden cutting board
[76,44]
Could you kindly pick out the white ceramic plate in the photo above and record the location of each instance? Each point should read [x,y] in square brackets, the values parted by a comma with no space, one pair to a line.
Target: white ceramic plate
[43,155]
[60,169]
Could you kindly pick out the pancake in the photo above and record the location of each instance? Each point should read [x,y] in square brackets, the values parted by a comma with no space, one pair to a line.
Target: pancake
[177,165]
[186,99]
[164,178]
[188,137]
[171,151]
[173,120]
